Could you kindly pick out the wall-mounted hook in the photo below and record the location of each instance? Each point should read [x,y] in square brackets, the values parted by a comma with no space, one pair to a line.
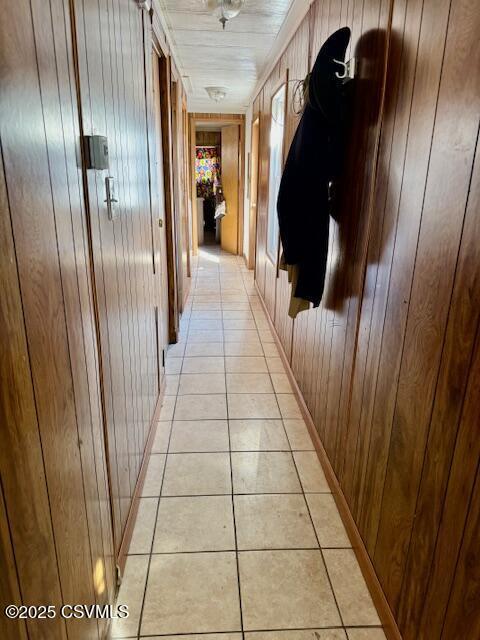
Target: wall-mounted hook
[349,69]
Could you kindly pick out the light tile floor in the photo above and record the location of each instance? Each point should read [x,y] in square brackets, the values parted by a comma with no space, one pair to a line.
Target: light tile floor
[237,534]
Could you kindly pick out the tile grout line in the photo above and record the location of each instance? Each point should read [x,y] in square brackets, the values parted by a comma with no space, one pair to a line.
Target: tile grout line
[140,619]
[231,480]
[252,311]
[310,515]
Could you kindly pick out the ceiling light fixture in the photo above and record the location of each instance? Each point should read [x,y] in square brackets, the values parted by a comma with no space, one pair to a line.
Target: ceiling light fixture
[224,10]
[216,93]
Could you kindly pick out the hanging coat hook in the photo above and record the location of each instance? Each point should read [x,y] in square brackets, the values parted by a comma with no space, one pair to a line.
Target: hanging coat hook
[348,72]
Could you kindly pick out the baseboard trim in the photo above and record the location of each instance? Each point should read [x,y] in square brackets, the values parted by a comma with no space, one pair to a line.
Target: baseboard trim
[383,608]
[132,513]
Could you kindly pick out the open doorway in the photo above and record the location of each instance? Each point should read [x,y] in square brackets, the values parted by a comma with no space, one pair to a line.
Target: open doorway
[217,181]
[208,183]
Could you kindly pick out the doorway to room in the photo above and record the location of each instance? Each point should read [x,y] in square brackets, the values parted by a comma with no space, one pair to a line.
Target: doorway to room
[217,181]
[211,206]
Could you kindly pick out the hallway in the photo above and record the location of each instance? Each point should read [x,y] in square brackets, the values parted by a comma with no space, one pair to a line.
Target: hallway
[245,540]
[240,320]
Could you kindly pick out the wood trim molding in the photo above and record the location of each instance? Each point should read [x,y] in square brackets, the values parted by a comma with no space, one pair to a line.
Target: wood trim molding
[383,608]
[132,513]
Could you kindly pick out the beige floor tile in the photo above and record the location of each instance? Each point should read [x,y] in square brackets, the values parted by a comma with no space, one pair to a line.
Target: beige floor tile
[310,472]
[202,636]
[280,381]
[243,349]
[252,405]
[201,407]
[298,435]
[171,384]
[199,435]
[244,336]
[234,297]
[144,526]
[327,521]
[173,366]
[271,350]
[203,383]
[311,634]
[265,472]
[176,350]
[239,324]
[206,297]
[205,324]
[258,435]
[193,474]
[249,383]
[275,364]
[351,592]
[154,475]
[273,522]
[168,405]
[289,406]
[200,337]
[242,314]
[131,594]
[265,335]
[205,364]
[197,306]
[203,523]
[162,436]
[245,364]
[206,314]
[285,590]
[204,349]
[236,306]
[366,633]
[191,593]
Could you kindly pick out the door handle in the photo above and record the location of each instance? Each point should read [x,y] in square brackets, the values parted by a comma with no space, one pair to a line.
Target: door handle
[111,201]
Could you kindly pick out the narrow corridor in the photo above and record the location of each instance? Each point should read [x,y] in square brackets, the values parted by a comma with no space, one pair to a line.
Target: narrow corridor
[237,533]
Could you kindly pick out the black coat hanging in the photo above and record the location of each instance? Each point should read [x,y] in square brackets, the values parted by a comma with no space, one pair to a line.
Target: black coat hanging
[312,166]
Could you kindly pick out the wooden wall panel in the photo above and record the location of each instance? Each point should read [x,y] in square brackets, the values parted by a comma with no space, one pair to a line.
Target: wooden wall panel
[262,202]
[230,155]
[53,470]
[25,494]
[294,66]
[387,363]
[9,586]
[443,213]
[113,102]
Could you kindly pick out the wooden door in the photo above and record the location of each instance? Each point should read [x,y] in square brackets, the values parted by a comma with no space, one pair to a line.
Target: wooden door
[112,97]
[177,195]
[230,181]
[253,193]
[160,212]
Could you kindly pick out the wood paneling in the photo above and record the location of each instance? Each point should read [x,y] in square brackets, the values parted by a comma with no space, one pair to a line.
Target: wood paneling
[230,181]
[82,301]
[113,89]
[387,364]
[53,470]
[208,138]
[253,191]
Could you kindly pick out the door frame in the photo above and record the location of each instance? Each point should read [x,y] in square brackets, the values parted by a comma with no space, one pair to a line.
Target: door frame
[253,179]
[220,119]
[168,186]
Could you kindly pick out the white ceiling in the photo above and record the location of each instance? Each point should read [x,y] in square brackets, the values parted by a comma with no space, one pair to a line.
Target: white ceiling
[234,58]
